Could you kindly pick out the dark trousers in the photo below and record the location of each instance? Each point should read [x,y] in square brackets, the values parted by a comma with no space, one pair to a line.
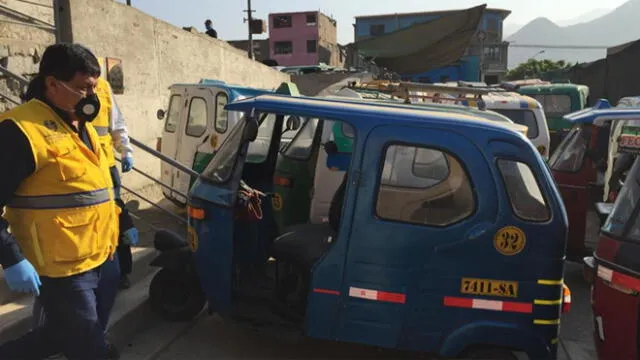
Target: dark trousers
[77,309]
[124,251]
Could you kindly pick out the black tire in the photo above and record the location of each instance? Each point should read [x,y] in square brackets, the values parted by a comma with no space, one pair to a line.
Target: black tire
[176,296]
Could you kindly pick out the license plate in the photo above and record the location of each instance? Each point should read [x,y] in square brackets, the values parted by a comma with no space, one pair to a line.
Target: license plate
[489,287]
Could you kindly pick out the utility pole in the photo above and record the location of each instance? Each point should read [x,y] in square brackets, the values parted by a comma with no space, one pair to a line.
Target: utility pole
[248,21]
[129,2]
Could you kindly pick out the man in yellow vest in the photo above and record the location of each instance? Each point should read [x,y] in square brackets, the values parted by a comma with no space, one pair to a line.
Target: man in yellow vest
[60,208]
[112,132]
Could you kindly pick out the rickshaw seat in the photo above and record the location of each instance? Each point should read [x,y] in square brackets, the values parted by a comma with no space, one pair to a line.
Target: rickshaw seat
[304,244]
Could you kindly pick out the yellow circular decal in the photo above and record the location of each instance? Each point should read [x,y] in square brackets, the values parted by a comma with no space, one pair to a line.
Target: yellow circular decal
[192,238]
[509,240]
[213,140]
[276,202]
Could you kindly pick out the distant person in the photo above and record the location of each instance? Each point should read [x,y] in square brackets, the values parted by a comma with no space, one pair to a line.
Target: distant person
[210,31]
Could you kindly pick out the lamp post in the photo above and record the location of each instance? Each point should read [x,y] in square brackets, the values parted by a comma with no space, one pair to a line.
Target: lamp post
[538,53]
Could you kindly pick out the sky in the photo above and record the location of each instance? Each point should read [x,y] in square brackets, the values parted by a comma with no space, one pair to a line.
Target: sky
[227,15]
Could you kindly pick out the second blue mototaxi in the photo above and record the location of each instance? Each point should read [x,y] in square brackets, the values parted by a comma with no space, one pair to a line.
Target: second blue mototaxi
[447,235]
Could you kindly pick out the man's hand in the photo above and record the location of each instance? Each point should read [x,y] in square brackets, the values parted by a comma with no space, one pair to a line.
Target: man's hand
[22,277]
[131,237]
[127,164]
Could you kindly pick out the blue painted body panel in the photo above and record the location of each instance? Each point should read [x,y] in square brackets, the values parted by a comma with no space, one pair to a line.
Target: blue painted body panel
[423,263]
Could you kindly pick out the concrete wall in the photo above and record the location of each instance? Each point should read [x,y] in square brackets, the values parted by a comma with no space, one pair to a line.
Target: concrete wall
[322,83]
[155,55]
[328,41]
[21,46]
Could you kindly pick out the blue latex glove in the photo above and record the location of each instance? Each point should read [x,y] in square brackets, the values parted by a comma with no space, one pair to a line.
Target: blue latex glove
[23,277]
[131,237]
[127,164]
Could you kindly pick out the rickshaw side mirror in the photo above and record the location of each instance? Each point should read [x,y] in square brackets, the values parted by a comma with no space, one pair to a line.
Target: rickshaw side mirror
[331,148]
[293,123]
[251,130]
[160,114]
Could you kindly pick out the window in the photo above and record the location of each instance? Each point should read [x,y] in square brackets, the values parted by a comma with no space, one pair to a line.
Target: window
[197,120]
[523,190]
[312,46]
[301,145]
[423,186]
[554,105]
[259,148]
[569,155]
[222,164]
[522,117]
[376,30]
[624,207]
[492,25]
[283,47]
[173,115]
[222,115]
[311,19]
[282,21]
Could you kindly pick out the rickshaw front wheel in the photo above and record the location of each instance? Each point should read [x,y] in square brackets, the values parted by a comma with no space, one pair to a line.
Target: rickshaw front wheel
[176,296]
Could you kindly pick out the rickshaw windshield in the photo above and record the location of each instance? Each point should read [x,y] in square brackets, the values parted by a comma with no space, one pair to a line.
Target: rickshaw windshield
[569,155]
[623,210]
[221,166]
[555,105]
[300,147]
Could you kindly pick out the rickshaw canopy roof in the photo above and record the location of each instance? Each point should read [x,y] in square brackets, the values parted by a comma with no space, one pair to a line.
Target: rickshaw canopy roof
[599,117]
[367,114]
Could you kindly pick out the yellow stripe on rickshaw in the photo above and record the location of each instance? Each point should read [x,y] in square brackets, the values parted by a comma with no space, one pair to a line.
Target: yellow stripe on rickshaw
[550,282]
[554,341]
[546,322]
[547,302]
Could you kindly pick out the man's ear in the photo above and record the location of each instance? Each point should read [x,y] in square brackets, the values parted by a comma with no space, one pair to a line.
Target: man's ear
[50,83]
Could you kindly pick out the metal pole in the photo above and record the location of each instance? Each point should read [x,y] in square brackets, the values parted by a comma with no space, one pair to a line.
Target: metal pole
[56,20]
[250,34]
[129,2]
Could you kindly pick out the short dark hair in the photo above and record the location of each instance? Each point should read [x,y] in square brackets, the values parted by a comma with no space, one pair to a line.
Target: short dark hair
[62,61]
[208,22]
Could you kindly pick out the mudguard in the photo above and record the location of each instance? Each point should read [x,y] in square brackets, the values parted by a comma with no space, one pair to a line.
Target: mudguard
[177,259]
[496,334]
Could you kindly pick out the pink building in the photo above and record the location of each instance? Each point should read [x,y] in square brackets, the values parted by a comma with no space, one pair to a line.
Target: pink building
[303,38]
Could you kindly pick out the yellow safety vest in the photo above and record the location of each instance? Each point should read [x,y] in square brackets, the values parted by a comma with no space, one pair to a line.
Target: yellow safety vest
[63,216]
[102,123]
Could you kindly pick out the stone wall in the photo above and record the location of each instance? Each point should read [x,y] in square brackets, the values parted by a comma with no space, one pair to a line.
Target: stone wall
[21,46]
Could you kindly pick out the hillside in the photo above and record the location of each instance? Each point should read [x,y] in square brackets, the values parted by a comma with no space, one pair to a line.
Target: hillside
[616,27]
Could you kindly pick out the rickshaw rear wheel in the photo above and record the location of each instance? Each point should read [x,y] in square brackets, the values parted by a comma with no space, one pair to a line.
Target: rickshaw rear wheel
[176,296]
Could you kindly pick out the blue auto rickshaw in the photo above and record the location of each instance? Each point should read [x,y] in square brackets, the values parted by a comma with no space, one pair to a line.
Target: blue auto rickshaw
[447,235]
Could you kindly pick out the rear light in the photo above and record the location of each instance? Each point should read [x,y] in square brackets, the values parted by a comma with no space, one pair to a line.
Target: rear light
[195,213]
[159,144]
[282,181]
[566,299]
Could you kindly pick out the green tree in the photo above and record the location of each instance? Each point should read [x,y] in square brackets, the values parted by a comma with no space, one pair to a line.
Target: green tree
[533,68]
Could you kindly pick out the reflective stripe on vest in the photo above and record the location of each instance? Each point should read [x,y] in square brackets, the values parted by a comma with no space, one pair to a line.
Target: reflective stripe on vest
[60,201]
[101,130]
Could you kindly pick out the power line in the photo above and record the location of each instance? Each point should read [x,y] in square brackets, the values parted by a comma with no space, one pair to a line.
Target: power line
[577,47]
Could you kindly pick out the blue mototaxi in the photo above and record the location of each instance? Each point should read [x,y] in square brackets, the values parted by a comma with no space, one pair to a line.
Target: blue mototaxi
[447,235]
